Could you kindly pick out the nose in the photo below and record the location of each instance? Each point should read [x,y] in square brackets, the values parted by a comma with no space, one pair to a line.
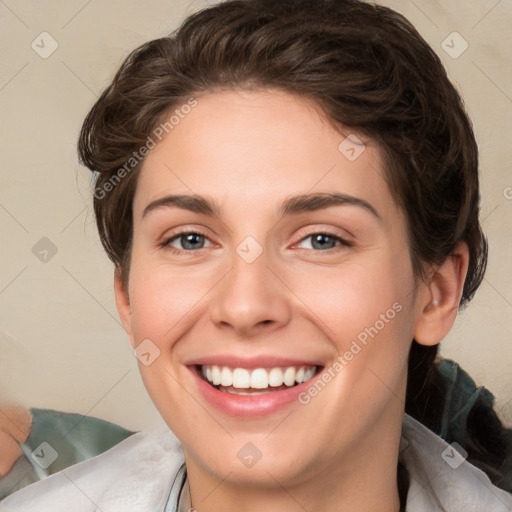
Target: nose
[252,298]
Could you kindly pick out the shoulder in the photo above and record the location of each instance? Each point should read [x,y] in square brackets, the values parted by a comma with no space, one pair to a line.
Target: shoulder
[135,475]
[440,477]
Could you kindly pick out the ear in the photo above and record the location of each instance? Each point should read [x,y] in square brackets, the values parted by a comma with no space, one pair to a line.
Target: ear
[123,302]
[439,298]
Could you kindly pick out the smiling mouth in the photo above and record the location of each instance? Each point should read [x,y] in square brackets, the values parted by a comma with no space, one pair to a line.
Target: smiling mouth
[257,381]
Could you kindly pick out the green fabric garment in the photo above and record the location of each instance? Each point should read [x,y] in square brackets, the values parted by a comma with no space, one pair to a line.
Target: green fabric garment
[462,396]
[70,438]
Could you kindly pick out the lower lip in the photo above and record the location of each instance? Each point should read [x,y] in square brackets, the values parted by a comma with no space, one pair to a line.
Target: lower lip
[245,406]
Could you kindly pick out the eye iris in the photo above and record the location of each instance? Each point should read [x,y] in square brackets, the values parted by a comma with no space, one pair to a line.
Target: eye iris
[325,241]
[190,238]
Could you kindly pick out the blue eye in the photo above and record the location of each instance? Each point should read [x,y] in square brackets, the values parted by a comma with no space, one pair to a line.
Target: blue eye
[324,241]
[189,241]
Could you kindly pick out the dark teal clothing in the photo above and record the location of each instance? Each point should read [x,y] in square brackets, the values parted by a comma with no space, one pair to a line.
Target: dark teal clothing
[462,399]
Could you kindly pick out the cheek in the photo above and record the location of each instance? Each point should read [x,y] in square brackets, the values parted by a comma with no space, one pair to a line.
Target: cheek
[366,311]
[358,297]
[162,298]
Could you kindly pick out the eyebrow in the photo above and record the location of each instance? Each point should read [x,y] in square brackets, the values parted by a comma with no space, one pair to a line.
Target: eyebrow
[291,206]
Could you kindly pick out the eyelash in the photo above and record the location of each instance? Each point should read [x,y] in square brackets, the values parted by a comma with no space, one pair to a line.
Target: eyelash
[166,244]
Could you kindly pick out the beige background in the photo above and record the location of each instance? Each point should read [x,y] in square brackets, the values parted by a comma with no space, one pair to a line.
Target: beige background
[61,344]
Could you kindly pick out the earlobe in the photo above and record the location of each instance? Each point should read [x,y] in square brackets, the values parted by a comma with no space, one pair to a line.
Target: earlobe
[122,302]
[439,299]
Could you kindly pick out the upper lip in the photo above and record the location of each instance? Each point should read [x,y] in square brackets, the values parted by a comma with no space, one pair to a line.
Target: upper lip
[263,361]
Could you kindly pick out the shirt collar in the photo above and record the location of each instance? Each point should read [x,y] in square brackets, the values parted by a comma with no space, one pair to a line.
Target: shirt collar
[175,503]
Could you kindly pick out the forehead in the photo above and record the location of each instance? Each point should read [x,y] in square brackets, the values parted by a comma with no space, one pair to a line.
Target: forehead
[260,145]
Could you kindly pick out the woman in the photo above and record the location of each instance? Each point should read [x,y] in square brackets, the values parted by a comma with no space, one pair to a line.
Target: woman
[289,193]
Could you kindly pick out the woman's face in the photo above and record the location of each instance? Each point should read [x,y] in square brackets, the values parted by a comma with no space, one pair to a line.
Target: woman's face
[270,284]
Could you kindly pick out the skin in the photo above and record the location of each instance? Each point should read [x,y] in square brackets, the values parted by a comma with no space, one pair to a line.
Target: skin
[249,151]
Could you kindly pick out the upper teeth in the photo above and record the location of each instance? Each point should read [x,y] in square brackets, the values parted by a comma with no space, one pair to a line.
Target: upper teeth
[259,378]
